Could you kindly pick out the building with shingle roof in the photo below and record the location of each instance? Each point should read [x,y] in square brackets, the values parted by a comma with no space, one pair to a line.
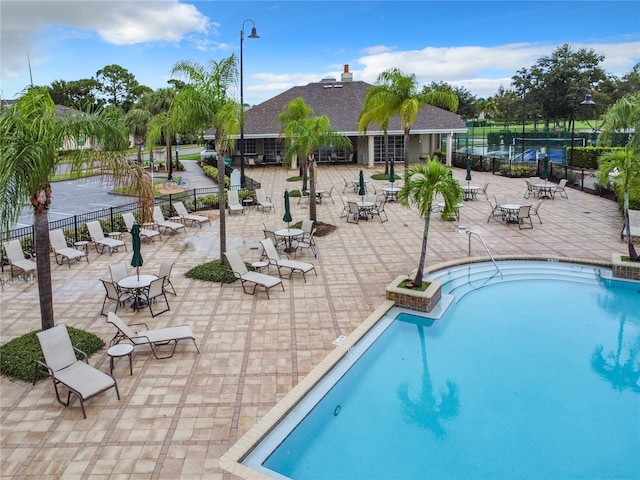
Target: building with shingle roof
[341,101]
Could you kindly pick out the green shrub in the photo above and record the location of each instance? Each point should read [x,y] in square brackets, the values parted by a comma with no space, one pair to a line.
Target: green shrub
[212,172]
[18,356]
[519,170]
[297,178]
[214,271]
[207,202]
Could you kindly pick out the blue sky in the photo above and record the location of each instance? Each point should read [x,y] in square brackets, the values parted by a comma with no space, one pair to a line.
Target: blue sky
[478,45]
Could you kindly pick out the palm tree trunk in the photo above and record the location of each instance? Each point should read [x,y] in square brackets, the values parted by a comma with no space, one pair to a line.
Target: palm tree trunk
[169,157]
[43,265]
[417,281]
[221,208]
[312,188]
[386,152]
[303,170]
[406,149]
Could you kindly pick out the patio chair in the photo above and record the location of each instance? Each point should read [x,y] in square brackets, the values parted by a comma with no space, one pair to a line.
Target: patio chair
[307,240]
[155,291]
[233,202]
[64,368]
[535,209]
[61,249]
[278,240]
[347,185]
[16,257]
[158,218]
[113,292]
[293,266]
[378,209]
[524,214]
[496,211]
[165,272]
[345,207]
[354,212]
[130,221]
[263,200]
[329,194]
[118,271]
[483,190]
[561,189]
[529,191]
[154,338]
[98,238]
[190,217]
[241,272]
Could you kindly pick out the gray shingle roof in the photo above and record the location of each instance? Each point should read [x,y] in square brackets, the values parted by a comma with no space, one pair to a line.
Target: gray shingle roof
[342,103]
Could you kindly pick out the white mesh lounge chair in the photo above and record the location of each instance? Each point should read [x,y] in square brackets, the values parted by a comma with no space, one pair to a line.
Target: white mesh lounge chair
[158,218]
[523,216]
[241,272]
[153,338]
[99,239]
[307,240]
[561,188]
[634,225]
[292,266]
[129,221]
[263,200]
[190,217]
[63,366]
[16,257]
[233,202]
[155,291]
[61,249]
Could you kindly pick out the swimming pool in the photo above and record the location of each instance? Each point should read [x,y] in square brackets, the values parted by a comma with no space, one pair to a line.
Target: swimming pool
[532,372]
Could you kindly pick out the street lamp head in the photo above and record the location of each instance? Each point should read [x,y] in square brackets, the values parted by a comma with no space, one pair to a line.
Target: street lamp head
[587,100]
[254,33]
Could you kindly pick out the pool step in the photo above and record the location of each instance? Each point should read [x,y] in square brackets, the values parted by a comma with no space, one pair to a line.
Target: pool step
[459,281]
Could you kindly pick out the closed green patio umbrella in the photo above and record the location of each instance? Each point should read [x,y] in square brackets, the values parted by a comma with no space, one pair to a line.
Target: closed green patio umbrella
[545,170]
[363,188]
[392,172]
[136,260]
[287,209]
[468,177]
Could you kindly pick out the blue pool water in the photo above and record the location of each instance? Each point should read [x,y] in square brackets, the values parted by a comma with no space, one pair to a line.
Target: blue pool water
[531,374]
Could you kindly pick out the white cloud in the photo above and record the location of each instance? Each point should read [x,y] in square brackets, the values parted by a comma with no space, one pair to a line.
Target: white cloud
[24,23]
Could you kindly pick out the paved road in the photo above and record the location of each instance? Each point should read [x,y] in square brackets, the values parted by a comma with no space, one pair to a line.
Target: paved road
[73,197]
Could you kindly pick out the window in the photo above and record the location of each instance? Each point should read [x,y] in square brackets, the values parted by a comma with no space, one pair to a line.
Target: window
[249,146]
[396,148]
[272,148]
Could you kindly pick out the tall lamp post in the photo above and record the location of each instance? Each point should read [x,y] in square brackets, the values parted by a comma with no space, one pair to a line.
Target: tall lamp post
[254,34]
[587,101]
[525,79]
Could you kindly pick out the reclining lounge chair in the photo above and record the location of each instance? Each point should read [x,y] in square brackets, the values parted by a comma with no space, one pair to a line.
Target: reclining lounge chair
[244,275]
[62,250]
[63,366]
[153,338]
[293,266]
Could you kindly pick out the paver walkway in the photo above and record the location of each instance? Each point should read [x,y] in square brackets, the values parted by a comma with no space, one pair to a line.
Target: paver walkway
[176,417]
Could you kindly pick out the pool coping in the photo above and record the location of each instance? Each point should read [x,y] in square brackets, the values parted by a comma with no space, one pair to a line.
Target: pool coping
[231,460]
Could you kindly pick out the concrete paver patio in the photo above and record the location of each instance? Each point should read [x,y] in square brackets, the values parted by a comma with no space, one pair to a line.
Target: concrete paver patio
[177,416]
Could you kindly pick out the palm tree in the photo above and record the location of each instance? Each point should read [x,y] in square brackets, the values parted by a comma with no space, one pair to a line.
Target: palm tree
[623,116]
[397,94]
[378,108]
[32,137]
[137,121]
[296,111]
[422,184]
[204,102]
[303,135]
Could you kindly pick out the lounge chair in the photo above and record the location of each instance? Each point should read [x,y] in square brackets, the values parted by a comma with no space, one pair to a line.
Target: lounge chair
[130,221]
[634,225]
[233,202]
[61,249]
[190,217]
[241,272]
[293,266]
[98,238]
[158,218]
[63,366]
[561,189]
[263,200]
[153,338]
[16,257]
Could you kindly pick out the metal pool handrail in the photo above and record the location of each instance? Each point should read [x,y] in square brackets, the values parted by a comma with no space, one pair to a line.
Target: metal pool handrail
[471,233]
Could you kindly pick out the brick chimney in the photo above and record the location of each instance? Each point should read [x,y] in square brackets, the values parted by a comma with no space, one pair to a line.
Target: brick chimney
[346,75]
